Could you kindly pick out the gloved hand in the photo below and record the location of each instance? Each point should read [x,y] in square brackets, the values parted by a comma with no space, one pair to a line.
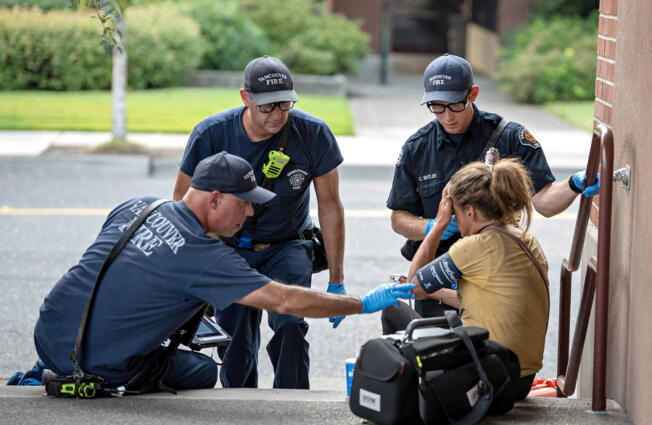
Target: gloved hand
[385,295]
[448,232]
[336,288]
[580,177]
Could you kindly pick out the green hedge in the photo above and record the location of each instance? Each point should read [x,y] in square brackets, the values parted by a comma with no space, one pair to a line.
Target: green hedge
[60,50]
[164,45]
[550,59]
[51,51]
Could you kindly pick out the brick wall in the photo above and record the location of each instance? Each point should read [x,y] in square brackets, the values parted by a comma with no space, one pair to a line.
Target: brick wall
[367,11]
[512,13]
[605,72]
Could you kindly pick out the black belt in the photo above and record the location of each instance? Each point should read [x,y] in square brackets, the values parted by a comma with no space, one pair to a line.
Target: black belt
[257,245]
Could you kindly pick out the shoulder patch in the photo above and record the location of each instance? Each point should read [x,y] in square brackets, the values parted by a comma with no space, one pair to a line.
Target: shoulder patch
[398,160]
[527,139]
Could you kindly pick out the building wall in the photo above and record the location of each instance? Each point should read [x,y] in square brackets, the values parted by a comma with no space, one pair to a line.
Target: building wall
[509,14]
[512,13]
[630,343]
[481,49]
[368,11]
[623,103]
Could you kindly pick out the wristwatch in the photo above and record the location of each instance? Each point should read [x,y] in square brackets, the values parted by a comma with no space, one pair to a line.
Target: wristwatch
[572,185]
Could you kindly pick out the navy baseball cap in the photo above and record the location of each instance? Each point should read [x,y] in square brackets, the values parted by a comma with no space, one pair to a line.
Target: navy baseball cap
[269,81]
[447,79]
[229,174]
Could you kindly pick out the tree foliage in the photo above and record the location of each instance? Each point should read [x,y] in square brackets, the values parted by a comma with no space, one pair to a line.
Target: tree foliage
[308,39]
[231,38]
[553,8]
[550,59]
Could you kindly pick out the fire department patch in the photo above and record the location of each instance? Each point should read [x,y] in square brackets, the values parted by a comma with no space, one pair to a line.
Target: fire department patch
[526,138]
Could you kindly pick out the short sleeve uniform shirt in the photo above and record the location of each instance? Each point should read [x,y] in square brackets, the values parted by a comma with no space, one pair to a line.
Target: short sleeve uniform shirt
[313,152]
[169,269]
[430,157]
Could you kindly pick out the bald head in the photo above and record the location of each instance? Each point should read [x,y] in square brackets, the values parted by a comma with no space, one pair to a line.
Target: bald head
[218,213]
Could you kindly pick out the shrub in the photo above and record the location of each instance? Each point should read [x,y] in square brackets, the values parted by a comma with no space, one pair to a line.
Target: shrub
[163,46]
[552,8]
[334,39]
[51,51]
[60,50]
[232,39]
[311,41]
[550,60]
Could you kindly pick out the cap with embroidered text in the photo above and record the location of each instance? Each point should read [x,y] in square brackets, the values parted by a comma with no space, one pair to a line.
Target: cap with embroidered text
[268,80]
[229,174]
[447,79]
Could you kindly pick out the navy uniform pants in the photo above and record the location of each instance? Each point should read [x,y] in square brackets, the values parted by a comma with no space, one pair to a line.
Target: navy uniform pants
[187,370]
[289,262]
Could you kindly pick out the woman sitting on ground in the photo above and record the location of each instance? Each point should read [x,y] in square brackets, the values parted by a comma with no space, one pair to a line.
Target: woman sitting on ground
[499,286]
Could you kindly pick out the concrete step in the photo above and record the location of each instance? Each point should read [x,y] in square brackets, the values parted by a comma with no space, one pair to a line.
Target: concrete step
[28,405]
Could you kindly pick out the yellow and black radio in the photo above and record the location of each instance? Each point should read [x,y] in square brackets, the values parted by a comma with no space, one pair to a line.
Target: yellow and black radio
[277,160]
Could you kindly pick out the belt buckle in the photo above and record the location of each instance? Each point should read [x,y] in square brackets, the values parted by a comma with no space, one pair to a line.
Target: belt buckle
[261,246]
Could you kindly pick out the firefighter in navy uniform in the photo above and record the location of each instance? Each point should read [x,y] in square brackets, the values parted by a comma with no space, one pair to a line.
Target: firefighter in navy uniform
[279,243]
[457,136]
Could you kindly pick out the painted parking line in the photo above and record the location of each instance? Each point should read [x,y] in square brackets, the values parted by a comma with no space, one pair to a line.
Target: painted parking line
[350,213]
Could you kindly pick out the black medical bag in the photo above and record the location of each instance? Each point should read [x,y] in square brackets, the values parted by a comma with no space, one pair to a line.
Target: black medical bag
[448,375]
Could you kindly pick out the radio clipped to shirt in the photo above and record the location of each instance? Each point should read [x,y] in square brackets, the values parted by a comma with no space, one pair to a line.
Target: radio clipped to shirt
[277,161]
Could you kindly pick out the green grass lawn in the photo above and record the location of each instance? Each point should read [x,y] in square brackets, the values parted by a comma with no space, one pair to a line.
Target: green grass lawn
[174,110]
[579,114]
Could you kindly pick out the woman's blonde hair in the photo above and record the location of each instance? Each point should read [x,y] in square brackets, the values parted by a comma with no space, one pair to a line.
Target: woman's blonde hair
[500,195]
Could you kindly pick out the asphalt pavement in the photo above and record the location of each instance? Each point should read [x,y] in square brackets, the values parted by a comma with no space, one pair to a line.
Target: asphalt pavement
[38,248]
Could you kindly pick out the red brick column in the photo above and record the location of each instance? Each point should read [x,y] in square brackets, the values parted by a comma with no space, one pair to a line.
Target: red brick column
[606,66]
[368,11]
[512,13]
[605,72]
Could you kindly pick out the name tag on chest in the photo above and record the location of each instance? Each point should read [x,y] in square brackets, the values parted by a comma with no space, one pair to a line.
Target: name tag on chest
[431,176]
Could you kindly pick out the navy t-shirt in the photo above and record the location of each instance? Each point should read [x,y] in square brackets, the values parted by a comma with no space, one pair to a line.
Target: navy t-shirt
[311,147]
[429,158]
[162,277]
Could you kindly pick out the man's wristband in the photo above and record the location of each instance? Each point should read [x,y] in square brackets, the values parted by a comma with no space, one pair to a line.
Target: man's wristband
[572,185]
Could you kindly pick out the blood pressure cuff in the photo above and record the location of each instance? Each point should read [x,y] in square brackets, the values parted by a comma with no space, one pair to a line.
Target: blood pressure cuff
[439,273]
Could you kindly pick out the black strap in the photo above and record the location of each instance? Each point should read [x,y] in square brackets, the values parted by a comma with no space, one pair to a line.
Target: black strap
[267,182]
[493,139]
[486,389]
[495,135]
[282,145]
[109,259]
[527,251]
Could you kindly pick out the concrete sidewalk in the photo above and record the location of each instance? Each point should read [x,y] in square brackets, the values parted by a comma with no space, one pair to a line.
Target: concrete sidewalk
[385,116]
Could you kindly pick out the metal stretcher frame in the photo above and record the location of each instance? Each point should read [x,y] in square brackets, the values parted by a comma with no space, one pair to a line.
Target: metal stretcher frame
[568,368]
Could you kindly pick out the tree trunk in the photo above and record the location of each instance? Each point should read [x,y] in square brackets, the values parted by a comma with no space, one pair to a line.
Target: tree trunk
[119,84]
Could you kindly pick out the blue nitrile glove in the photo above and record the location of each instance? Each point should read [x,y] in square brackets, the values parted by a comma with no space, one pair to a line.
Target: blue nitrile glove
[32,377]
[448,232]
[385,295]
[336,288]
[580,177]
